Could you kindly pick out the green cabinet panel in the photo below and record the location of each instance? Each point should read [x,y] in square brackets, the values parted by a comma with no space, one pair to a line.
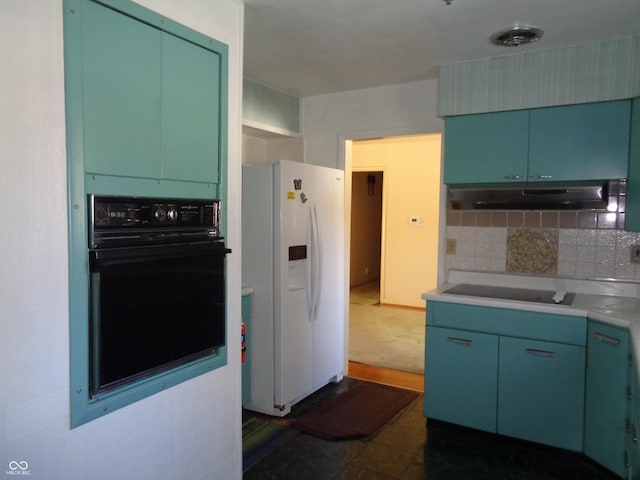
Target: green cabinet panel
[121,94]
[606,396]
[579,142]
[486,148]
[151,101]
[632,219]
[461,377]
[567,143]
[190,111]
[509,322]
[541,392]
[633,427]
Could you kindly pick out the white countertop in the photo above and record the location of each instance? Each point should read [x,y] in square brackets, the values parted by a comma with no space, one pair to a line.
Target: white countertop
[610,301]
[246,290]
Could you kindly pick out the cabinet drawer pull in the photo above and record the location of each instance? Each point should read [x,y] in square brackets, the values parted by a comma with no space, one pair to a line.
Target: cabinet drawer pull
[607,339]
[513,177]
[545,177]
[460,341]
[540,353]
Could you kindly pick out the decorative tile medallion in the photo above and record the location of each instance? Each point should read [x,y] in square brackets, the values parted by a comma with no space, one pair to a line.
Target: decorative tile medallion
[532,250]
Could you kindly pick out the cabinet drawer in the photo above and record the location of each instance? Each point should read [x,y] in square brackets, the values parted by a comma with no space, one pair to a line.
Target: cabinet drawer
[509,322]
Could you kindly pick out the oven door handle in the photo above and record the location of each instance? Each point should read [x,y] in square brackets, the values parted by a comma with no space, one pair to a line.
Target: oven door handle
[106,257]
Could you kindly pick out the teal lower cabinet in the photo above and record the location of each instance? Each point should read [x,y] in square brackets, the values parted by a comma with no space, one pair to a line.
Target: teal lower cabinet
[633,425]
[541,392]
[607,395]
[507,371]
[462,372]
[246,364]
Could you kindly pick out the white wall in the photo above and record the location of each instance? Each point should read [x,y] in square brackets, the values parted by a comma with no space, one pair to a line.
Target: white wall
[192,430]
[327,120]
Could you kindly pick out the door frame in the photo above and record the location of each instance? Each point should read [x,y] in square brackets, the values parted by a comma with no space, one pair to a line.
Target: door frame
[345,151]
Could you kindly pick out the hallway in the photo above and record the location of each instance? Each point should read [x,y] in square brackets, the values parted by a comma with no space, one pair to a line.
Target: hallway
[385,336]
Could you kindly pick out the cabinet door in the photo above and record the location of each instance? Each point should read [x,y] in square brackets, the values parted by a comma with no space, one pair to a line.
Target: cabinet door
[486,148]
[632,220]
[190,111]
[606,396]
[633,430]
[121,87]
[579,142]
[541,392]
[461,377]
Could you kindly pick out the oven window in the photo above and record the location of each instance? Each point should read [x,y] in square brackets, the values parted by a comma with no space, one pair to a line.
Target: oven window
[152,315]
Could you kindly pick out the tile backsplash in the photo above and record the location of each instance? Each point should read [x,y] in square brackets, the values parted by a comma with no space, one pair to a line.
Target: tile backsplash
[581,252]
[568,243]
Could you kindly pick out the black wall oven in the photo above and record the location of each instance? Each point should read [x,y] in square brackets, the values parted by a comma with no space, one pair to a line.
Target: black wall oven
[157,287]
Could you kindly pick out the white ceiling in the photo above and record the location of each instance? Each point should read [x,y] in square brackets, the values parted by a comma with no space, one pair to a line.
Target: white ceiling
[311,47]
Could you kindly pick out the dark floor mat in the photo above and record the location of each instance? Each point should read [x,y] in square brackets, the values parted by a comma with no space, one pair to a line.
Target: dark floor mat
[359,412]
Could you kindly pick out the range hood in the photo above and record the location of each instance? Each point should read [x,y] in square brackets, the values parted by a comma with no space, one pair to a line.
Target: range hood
[543,196]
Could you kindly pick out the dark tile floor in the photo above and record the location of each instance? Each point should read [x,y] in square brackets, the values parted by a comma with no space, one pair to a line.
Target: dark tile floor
[410,448]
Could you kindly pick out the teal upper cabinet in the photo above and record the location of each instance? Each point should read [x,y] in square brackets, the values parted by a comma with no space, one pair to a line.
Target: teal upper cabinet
[632,220]
[121,94]
[486,148]
[568,143]
[579,142]
[151,100]
[190,111]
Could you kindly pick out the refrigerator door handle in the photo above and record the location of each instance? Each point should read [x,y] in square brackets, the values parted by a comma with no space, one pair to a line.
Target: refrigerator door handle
[316,264]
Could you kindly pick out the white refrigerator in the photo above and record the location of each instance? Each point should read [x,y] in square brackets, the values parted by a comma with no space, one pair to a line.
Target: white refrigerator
[293,258]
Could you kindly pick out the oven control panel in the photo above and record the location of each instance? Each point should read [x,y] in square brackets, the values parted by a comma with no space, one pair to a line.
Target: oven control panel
[116,220]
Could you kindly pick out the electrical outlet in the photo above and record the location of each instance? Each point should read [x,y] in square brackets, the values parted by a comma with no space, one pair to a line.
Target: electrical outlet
[451,246]
[635,253]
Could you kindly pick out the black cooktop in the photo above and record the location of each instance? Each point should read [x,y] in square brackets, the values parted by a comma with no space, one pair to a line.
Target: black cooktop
[508,293]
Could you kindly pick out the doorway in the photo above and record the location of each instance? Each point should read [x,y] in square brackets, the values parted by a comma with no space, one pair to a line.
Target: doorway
[395,206]
[366,236]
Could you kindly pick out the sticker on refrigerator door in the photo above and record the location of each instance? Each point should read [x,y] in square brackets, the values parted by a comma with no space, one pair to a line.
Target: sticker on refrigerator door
[297,184]
[291,195]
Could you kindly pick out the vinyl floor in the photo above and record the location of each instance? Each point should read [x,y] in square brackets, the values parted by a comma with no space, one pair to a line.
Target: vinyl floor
[411,447]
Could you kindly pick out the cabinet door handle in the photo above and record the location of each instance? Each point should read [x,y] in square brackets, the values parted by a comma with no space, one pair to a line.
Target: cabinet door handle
[513,177]
[460,341]
[540,353]
[607,339]
[546,177]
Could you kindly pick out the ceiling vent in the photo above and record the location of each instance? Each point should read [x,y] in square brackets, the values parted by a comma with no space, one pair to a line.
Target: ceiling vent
[516,36]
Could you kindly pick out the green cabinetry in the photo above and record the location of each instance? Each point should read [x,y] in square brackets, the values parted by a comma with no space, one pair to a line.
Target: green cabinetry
[632,220]
[541,392]
[568,143]
[513,372]
[461,377]
[579,142]
[633,422]
[486,148]
[607,392]
[150,100]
